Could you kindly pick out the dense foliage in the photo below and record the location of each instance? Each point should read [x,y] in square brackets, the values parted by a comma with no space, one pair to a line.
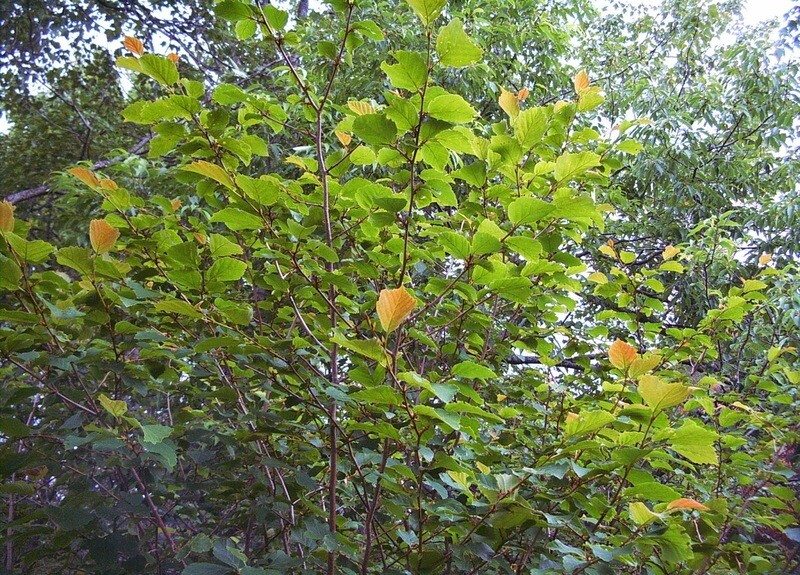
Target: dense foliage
[427,299]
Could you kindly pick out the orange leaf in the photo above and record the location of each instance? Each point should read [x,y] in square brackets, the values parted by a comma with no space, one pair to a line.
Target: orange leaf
[509,103]
[174,57]
[523,94]
[102,235]
[343,137]
[6,216]
[621,354]
[85,175]
[581,81]
[394,306]
[685,503]
[107,184]
[764,259]
[134,45]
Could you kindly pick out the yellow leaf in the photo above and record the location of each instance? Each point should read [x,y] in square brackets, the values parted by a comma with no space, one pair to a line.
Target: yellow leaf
[670,252]
[523,94]
[501,397]
[6,216]
[360,108]
[394,306]
[174,57]
[621,354]
[598,278]
[85,175]
[201,238]
[608,250]
[659,394]
[343,137]
[685,503]
[102,235]
[572,417]
[107,184]
[642,365]
[134,45]
[581,81]
[509,103]
[764,259]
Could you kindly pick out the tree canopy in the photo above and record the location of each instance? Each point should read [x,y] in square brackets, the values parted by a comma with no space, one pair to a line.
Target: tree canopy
[398,287]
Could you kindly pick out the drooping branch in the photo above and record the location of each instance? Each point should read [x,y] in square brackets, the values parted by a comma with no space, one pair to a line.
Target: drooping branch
[45,189]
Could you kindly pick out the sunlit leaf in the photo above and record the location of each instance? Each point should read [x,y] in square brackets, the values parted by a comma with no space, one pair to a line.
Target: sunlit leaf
[102,235]
[509,103]
[685,503]
[621,354]
[394,306]
[133,45]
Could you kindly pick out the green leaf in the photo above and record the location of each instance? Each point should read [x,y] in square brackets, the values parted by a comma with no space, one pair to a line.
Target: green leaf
[161,69]
[455,47]
[10,273]
[530,126]
[472,370]
[115,407]
[483,244]
[528,210]
[588,421]
[375,129]
[237,220]
[221,246]
[232,10]
[13,428]
[427,10]
[265,190]
[451,108]
[31,251]
[226,270]
[277,19]
[659,394]
[569,166]
[179,307]
[410,72]
[212,171]
[380,394]
[454,244]
[228,94]
[695,442]
[528,248]
[155,433]
[641,514]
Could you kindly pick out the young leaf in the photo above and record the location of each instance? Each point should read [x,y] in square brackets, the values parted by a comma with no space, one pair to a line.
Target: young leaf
[685,503]
[134,45]
[451,108]
[394,306]
[455,47]
[115,407]
[210,170]
[102,236]
[427,10]
[695,443]
[86,176]
[621,354]
[581,81]
[509,103]
[659,394]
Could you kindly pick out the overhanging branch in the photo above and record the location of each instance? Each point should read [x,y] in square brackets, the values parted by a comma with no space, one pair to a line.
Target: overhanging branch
[44,189]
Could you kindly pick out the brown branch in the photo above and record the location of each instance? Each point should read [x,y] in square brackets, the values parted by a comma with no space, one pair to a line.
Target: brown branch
[45,189]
